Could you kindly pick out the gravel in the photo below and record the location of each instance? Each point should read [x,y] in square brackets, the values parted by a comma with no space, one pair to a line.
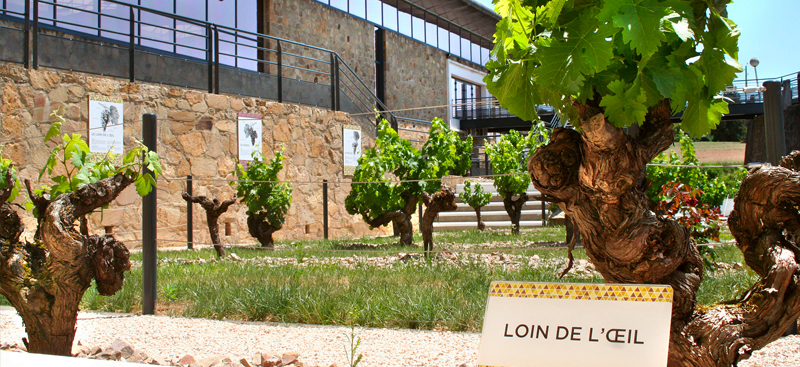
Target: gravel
[172,338]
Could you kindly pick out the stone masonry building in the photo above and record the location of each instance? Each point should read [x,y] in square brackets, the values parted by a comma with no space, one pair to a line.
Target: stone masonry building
[308,68]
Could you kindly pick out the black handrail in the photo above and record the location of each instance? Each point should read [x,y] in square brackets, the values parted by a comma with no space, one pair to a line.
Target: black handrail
[32,22]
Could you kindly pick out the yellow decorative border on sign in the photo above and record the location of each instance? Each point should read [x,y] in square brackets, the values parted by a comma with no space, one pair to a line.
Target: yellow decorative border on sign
[594,292]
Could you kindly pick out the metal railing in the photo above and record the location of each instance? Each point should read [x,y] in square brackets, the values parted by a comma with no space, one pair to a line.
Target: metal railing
[213,57]
[746,91]
[485,108]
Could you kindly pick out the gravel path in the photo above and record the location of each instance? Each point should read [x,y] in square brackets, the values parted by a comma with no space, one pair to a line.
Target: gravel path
[322,346]
[169,337]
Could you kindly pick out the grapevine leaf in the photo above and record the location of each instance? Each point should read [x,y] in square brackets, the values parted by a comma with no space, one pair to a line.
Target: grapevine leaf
[717,70]
[703,115]
[639,20]
[511,80]
[584,51]
[624,107]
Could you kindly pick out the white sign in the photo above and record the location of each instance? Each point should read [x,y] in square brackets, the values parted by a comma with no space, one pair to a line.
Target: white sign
[351,140]
[106,129]
[250,136]
[580,325]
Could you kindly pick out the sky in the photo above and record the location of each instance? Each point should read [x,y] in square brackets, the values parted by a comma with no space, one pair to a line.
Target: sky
[770,32]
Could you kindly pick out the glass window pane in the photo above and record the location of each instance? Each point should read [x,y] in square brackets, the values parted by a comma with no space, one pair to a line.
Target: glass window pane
[46,13]
[455,46]
[419,29]
[405,24]
[15,6]
[444,43]
[465,49]
[485,53]
[227,49]
[157,28]
[476,53]
[247,11]
[390,17]
[113,27]
[77,12]
[374,11]
[248,53]
[191,9]
[222,13]
[432,37]
[193,36]
[357,8]
[339,4]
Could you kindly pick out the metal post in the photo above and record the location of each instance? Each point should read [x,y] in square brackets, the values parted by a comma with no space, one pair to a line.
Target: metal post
[27,34]
[210,58]
[773,123]
[132,49]
[334,82]
[280,73]
[420,215]
[149,248]
[544,213]
[325,208]
[216,60]
[35,34]
[189,215]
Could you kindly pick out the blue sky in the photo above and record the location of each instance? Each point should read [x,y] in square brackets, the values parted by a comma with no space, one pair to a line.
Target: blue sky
[770,32]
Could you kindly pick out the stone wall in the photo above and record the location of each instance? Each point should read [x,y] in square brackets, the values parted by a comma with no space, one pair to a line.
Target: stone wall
[197,135]
[416,76]
[313,23]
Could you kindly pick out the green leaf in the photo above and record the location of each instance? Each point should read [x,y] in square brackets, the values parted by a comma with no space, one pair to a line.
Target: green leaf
[511,80]
[639,20]
[54,130]
[625,107]
[718,71]
[584,50]
[702,116]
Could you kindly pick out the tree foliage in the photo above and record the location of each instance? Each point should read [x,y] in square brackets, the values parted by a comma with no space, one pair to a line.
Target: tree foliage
[392,176]
[508,160]
[633,54]
[267,199]
[45,280]
[474,195]
[476,198]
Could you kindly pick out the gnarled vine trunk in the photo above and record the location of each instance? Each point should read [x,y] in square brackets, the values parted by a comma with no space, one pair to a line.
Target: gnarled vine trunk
[260,228]
[514,209]
[598,175]
[45,280]
[401,219]
[213,210]
[442,201]
[481,225]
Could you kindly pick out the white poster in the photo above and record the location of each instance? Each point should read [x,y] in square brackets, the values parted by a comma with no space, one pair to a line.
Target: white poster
[250,136]
[106,127]
[576,325]
[351,138]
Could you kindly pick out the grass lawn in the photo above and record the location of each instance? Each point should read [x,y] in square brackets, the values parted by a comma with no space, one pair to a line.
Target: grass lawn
[336,282]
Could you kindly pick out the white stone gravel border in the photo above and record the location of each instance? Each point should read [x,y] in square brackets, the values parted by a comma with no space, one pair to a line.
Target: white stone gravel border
[174,337]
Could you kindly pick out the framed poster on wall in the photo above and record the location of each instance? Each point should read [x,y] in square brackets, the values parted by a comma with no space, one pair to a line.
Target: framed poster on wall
[106,129]
[250,135]
[351,139]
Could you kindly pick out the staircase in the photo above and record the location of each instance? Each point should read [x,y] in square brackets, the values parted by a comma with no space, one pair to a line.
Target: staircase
[493,214]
